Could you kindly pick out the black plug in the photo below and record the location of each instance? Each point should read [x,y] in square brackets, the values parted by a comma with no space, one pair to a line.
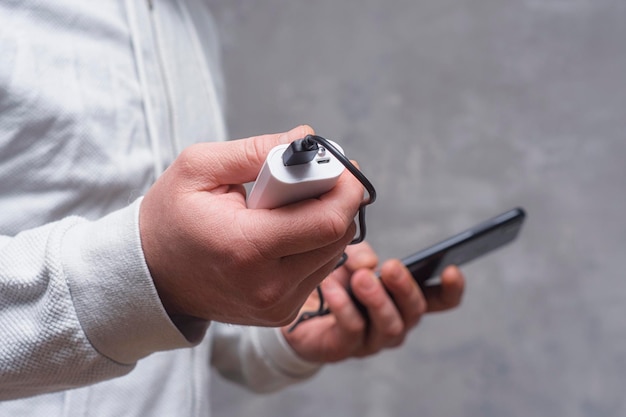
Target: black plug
[300,151]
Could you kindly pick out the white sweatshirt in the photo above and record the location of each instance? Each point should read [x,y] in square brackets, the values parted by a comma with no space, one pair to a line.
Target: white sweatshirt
[96,98]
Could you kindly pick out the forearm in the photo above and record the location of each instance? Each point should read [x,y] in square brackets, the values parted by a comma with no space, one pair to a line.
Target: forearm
[77,305]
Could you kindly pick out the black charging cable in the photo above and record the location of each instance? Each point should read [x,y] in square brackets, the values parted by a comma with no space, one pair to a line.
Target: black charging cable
[304,150]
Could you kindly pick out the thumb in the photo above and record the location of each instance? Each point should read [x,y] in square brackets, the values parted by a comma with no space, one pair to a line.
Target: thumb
[239,161]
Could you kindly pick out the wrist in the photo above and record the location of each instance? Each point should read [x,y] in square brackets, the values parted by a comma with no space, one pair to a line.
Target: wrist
[112,290]
[283,356]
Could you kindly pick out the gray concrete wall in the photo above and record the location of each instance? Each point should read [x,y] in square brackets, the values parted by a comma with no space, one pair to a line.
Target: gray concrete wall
[458,110]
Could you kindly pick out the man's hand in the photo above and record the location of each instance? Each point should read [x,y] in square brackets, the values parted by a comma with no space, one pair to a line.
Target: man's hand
[212,258]
[345,333]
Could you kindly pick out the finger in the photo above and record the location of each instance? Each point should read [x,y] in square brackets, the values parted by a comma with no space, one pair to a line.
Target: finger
[386,327]
[404,291]
[323,259]
[358,256]
[350,324]
[307,225]
[361,256]
[449,293]
[208,165]
[295,291]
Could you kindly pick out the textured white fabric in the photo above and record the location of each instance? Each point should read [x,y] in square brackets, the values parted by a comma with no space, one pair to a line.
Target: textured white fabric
[95,99]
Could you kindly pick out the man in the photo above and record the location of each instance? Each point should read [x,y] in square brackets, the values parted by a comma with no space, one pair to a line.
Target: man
[112,303]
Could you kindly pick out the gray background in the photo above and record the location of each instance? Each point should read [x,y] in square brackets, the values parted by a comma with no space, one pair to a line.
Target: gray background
[458,110]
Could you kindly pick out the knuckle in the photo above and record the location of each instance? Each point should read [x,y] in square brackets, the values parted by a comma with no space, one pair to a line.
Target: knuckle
[256,150]
[377,302]
[373,350]
[267,299]
[354,328]
[272,307]
[195,160]
[398,342]
[421,309]
[334,228]
[188,154]
[186,161]
[394,331]
[189,158]
[350,233]
[413,319]
[353,325]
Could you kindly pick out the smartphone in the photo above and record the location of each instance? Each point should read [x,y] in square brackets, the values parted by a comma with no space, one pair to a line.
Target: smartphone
[427,264]
[466,246]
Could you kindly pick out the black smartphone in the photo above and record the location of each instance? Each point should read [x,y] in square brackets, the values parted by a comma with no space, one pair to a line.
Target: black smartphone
[485,237]
[466,246]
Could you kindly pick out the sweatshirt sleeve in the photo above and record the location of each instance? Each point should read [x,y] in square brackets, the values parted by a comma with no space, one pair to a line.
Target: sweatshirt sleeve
[257,358]
[78,306]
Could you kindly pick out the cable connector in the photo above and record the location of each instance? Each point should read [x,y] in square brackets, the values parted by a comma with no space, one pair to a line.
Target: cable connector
[300,151]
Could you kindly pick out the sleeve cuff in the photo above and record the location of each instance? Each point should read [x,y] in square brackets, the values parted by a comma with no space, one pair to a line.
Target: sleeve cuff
[281,355]
[115,299]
